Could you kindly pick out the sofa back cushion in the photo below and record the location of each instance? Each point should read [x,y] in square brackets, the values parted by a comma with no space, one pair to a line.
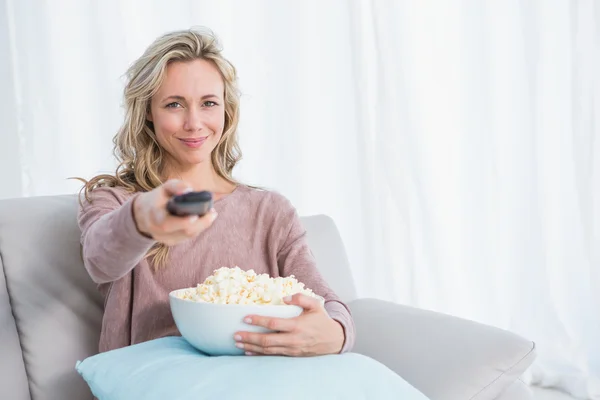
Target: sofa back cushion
[56,306]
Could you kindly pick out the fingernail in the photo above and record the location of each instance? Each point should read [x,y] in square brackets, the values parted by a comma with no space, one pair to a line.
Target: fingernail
[237,337]
[287,298]
[249,353]
[239,345]
[213,214]
[193,218]
[187,190]
[248,320]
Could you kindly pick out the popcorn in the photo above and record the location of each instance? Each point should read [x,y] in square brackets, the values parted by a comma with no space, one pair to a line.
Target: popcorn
[236,286]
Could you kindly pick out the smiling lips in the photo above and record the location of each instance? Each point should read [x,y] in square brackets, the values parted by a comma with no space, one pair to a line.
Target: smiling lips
[194,142]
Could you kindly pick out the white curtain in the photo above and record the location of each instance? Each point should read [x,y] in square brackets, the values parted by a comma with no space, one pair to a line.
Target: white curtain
[456,144]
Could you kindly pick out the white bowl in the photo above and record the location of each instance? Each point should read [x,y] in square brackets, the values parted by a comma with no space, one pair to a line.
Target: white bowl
[210,327]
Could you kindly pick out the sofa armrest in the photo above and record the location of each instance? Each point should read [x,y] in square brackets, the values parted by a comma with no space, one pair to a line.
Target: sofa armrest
[445,357]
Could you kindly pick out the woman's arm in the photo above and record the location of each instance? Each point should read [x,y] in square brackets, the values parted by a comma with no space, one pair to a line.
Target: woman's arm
[112,244]
[295,258]
[112,225]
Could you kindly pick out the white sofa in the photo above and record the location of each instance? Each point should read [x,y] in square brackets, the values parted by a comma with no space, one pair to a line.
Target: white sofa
[50,316]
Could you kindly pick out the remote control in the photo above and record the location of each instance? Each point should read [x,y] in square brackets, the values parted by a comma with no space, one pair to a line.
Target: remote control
[192,203]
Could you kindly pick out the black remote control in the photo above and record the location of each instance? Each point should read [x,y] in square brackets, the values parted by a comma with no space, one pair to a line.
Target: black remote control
[191,203]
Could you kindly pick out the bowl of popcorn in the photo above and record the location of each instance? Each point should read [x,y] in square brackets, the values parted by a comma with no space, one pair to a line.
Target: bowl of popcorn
[209,314]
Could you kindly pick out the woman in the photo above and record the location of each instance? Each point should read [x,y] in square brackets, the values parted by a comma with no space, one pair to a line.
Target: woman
[180,134]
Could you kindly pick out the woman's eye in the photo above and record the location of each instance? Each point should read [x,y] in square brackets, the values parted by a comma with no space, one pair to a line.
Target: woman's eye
[173,105]
[210,104]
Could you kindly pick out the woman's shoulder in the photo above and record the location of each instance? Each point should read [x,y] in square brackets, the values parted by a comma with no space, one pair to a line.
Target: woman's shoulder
[269,206]
[264,196]
[106,195]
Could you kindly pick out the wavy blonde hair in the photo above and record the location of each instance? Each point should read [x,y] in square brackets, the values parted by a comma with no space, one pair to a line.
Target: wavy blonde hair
[136,148]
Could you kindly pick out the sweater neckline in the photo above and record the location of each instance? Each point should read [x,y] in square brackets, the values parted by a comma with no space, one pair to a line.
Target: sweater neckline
[238,189]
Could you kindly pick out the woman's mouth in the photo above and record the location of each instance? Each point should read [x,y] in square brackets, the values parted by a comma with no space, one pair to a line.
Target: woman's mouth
[194,143]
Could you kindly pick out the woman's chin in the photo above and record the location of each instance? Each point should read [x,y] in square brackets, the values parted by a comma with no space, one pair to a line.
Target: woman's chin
[194,160]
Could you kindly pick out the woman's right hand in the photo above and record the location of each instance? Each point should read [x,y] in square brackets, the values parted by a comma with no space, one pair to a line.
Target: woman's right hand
[152,218]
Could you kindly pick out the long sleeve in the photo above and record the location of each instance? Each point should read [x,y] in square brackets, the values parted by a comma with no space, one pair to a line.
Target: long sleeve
[112,245]
[295,258]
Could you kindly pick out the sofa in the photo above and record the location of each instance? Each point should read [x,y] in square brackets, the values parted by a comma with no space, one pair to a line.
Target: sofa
[51,311]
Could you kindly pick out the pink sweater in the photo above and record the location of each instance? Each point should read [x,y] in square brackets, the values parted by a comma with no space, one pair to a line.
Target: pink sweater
[255,229]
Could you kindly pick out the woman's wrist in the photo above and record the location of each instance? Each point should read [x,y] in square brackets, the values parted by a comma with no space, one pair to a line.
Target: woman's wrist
[135,214]
[339,335]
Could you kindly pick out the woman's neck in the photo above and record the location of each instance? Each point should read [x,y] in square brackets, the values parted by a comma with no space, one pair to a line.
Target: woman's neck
[200,177]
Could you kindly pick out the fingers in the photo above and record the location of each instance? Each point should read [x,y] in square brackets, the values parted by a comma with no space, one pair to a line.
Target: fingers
[175,229]
[198,224]
[274,324]
[283,342]
[162,195]
[252,350]
[268,343]
[263,339]
[306,302]
[187,225]
[156,200]
[157,222]
[174,187]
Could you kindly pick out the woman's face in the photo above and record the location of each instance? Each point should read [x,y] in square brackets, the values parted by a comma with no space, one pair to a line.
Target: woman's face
[188,112]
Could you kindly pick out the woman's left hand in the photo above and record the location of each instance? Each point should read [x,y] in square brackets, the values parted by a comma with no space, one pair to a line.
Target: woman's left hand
[312,333]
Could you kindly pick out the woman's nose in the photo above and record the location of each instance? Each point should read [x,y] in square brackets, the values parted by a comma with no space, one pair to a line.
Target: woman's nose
[193,120]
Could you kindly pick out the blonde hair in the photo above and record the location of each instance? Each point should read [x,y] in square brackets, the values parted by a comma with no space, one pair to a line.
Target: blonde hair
[136,148]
